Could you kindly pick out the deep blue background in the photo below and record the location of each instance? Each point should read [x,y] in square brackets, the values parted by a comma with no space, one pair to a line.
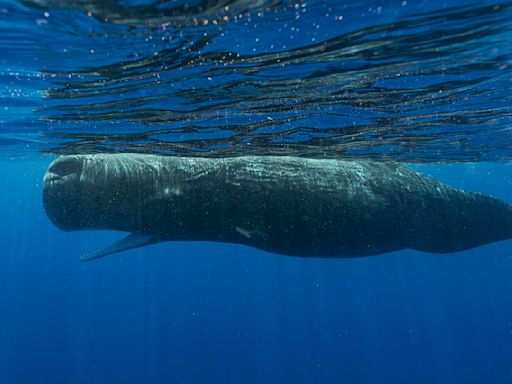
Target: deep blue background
[212,313]
[433,79]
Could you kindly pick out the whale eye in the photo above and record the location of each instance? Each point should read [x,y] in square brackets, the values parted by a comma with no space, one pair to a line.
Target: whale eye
[67,165]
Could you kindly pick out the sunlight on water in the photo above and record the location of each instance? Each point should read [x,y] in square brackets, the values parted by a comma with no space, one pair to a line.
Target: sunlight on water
[390,81]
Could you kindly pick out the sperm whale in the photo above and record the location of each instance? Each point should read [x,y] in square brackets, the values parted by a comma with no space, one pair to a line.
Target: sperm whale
[285,205]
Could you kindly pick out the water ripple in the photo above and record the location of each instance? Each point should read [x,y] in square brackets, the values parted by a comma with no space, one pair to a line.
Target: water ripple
[224,78]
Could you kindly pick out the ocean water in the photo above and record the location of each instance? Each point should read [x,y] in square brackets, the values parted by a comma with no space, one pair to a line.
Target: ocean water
[428,84]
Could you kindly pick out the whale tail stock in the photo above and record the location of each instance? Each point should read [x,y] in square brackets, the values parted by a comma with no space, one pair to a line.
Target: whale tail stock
[476,219]
[133,240]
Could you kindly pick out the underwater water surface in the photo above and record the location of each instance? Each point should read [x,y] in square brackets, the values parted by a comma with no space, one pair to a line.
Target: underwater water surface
[428,84]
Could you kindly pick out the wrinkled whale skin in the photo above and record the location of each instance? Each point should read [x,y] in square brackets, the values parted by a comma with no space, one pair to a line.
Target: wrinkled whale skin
[285,205]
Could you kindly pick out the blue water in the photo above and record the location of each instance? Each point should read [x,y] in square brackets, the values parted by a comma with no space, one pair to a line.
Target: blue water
[426,83]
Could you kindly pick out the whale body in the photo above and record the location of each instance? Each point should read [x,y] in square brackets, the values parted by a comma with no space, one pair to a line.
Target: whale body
[284,205]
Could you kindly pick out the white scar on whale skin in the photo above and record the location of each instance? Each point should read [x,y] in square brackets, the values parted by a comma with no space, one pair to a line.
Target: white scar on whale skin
[284,205]
[243,232]
[176,191]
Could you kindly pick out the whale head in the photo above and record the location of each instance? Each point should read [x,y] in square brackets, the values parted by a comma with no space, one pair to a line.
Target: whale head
[97,191]
[62,193]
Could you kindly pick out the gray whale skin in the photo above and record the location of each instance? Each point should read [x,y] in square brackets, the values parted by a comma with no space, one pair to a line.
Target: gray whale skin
[285,205]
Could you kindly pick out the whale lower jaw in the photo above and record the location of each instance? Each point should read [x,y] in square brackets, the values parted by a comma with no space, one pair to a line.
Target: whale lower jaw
[133,240]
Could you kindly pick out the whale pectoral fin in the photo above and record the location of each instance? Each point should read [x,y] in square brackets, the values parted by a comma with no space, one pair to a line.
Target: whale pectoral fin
[133,240]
